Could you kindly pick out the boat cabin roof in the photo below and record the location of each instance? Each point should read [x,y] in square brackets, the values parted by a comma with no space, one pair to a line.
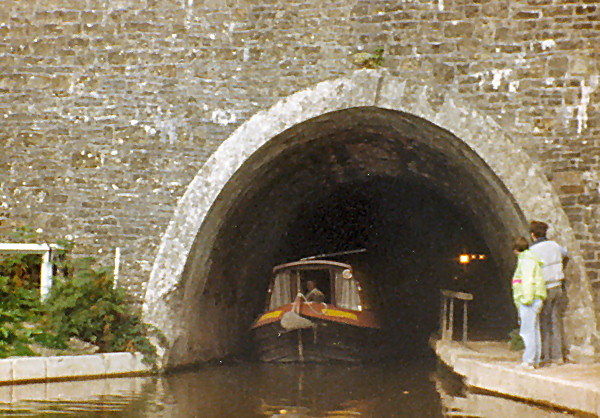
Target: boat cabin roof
[311,264]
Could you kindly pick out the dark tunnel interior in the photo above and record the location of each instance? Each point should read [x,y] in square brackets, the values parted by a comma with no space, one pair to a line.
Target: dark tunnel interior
[410,194]
[412,238]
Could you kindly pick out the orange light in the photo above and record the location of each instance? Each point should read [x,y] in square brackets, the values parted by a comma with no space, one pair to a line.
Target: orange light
[481,256]
[464,259]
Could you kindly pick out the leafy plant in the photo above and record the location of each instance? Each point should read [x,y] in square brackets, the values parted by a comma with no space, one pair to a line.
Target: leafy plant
[367,60]
[516,342]
[87,306]
[19,299]
[82,303]
[19,306]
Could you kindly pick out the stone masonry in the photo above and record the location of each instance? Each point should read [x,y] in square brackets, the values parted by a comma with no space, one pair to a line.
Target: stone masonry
[109,108]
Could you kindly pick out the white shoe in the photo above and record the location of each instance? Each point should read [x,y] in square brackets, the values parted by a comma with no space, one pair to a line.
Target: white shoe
[527,366]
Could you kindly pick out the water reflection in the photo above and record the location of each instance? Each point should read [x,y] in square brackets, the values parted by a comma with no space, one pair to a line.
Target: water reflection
[99,397]
[400,389]
[311,390]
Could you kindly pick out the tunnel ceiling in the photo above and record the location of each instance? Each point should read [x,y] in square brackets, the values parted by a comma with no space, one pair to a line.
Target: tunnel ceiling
[359,148]
[361,143]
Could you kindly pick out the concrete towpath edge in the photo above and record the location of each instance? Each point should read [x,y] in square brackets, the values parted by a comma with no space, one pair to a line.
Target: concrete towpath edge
[505,378]
[16,370]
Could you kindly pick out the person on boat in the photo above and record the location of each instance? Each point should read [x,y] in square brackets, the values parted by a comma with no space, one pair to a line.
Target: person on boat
[529,292]
[314,294]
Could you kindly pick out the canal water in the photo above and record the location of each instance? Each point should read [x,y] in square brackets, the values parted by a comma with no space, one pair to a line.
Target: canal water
[418,387]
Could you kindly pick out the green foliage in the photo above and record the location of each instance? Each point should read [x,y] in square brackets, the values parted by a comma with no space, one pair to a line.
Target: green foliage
[88,307]
[19,297]
[367,60]
[82,303]
[21,300]
[19,276]
[19,305]
[516,342]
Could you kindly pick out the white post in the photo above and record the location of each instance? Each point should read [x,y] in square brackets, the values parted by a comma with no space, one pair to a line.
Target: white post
[117,264]
[46,274]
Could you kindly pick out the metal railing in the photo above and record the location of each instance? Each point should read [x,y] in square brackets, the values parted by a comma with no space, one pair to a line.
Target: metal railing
[447,313]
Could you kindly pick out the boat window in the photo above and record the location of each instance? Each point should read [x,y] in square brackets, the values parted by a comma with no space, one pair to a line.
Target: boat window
[346,290]
[321,279]
[282,292]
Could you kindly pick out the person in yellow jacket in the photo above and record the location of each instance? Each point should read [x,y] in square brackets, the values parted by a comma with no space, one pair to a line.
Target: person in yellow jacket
[529,292]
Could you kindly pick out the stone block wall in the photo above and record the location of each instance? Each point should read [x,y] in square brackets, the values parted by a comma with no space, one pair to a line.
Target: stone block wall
[108,108]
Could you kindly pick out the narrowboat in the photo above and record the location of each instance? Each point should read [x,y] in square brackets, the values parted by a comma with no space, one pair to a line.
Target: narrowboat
[315,312]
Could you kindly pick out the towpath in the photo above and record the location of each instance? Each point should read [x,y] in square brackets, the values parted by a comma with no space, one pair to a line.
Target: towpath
[492,367]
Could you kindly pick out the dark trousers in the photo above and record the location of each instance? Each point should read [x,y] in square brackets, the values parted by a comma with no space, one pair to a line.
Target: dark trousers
[551,325]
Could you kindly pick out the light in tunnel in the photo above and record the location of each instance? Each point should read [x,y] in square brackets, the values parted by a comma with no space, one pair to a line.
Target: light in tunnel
[467,258]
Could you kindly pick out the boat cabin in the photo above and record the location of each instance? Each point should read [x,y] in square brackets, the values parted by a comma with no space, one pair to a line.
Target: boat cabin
[334,279]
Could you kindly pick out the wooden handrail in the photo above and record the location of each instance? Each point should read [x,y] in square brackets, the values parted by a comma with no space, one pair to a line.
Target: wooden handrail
[447,315]
[457,295]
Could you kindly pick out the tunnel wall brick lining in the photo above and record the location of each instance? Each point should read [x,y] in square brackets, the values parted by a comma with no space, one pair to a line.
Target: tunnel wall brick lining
[110,108]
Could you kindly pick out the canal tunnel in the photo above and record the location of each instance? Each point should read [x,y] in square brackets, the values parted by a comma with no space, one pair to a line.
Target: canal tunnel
[353,164]
[411,194]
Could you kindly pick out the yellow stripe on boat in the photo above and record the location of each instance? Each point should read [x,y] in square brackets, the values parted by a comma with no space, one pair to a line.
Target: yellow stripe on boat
[339,314]
[269,315]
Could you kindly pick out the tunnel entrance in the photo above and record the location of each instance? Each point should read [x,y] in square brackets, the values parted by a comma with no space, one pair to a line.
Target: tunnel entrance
[410,193]
[333,174]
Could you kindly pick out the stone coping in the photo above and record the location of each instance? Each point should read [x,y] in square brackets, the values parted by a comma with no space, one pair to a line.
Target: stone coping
[15,370]
[490,366]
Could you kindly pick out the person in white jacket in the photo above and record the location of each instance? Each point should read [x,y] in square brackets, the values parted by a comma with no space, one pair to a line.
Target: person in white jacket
[554,258]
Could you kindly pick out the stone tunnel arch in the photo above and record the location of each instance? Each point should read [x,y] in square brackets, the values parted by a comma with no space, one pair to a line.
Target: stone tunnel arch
[348,132]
